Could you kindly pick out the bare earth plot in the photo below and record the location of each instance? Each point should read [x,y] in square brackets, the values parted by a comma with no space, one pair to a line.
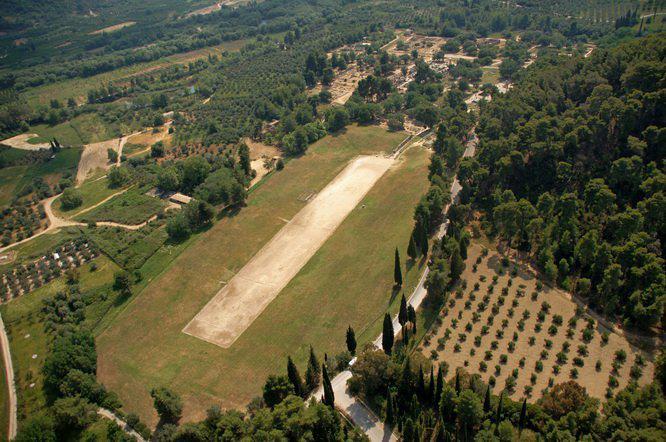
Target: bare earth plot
[248,293]
[21,142]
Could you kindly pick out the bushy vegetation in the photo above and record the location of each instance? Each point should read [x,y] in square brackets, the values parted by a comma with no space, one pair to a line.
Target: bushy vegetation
[570,169]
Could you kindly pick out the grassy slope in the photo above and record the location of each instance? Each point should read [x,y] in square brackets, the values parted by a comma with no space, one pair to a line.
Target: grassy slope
[92,192]
[22,318]
[144,346]
[131,207]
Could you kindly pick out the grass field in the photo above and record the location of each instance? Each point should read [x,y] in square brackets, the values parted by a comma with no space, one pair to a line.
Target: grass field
[92,192]
[29,342]
[490,75]
[144,347]
[131,207]
[518,342]
[83,129]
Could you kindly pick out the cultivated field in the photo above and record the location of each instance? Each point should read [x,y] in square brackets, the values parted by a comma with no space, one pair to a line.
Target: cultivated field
[528,339]
[248,293]
[145,347]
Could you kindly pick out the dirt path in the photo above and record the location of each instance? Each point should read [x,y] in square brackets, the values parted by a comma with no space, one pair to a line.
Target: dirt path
[357,411]
[95,156]
[9,377]
[108,414]
[21,142]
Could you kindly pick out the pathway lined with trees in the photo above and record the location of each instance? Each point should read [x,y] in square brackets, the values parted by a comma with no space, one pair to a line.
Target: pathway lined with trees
[354,408]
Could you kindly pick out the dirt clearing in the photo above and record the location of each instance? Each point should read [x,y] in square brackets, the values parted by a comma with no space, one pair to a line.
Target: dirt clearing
[252,289]
[21,142]
[95,156]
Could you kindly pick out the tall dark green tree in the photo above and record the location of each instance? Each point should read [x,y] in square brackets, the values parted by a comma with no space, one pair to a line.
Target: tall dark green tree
[403,314]
[389,415]
[431,387]
[387,335]
[412,251]
[397,271]
[329,396]
[457,382]
[295,377]
[351,340]
[486,401]
[420,386]
[313,372]
[440,385]
[523,415]
[411,316]
[498,417]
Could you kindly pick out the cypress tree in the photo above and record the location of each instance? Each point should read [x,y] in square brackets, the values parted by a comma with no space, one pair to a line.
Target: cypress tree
[486,401]
[431,387]
[440,386]
[351,340]
[387,335]
[295,377]
[397,271]
[523,416]
[411,248]
[329,397]
[389,418]
[420,386]
[411,315]
[313,372]
[423,241]
[457,382]
[403,315]
[498,418]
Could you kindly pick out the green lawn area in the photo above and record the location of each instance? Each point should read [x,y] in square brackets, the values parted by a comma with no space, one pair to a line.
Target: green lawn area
[92,191]
[131,207]
[144,347]
[28,340]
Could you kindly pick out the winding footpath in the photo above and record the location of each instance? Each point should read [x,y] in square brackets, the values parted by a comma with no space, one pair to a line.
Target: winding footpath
[354,408]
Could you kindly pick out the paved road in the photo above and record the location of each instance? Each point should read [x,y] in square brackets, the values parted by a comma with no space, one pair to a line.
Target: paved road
[11,386]
[357,411]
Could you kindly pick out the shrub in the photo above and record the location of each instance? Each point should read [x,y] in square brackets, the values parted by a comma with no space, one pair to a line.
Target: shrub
[537,327]
[489,355]
[582,350]
[552,330]
[636,372]
[613,382]
[557,320]
[531,340]
[503,359]
[477,341]
[70,199]
[588,334]
[521,362]
[597,366]
[578,362]
[604,338]
[483,367]
[574,373]
[538,366]
[456,348]
[561,358]
[533,379]
[493,345]
[549,344]
[621,356]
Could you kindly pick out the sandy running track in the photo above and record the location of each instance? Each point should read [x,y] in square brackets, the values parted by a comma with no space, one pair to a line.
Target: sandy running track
[249,292]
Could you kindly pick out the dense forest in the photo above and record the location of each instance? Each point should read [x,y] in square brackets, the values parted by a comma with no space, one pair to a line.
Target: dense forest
[570,170]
